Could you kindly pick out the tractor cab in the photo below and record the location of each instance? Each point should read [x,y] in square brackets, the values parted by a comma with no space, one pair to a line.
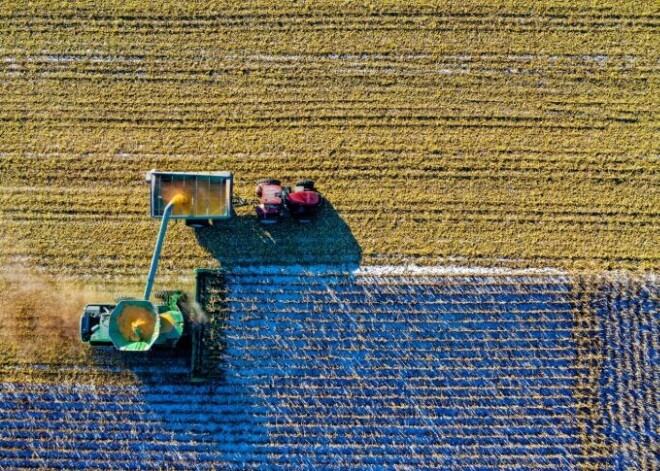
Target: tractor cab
[269,211]
[303,204]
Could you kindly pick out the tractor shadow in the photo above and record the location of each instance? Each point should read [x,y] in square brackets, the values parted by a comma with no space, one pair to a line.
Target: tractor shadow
[243,240]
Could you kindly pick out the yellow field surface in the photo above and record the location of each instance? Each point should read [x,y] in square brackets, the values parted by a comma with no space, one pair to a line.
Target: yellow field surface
[479,132]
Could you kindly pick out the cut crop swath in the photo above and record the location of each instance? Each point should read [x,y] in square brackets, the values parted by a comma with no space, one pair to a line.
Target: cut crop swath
[486,132]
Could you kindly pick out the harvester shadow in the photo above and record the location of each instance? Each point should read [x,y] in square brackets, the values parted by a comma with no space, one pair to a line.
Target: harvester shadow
[243,240]
[159,365]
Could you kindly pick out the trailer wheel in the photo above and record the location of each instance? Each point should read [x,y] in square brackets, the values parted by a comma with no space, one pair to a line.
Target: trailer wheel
[198,224]
[306,184]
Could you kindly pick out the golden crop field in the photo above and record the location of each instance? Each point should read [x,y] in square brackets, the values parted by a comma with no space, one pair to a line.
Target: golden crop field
[473,133]
[479,291]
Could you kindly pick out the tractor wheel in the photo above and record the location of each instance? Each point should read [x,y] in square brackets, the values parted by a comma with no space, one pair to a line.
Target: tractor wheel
[268,181]
[306,184]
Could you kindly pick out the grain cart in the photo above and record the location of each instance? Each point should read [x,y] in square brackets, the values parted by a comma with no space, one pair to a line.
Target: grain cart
[138,324]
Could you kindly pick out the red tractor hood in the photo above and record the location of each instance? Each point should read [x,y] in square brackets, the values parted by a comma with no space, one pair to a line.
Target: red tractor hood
[304,198]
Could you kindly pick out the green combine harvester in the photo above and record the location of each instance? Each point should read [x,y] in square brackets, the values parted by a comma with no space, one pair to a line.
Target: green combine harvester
[137,325]
[134,325]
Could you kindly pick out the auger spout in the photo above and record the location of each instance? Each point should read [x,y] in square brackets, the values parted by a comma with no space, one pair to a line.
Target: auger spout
[178,199]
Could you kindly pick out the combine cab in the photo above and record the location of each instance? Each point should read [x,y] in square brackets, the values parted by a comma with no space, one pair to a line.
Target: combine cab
[278,202]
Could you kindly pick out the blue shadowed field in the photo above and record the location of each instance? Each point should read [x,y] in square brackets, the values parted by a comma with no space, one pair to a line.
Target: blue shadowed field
[330,370]
[630,379]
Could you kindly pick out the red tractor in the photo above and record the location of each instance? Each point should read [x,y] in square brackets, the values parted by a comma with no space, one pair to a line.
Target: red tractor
[278,202]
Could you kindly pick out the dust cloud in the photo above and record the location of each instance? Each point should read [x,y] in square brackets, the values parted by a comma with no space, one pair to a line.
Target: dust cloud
[39,317]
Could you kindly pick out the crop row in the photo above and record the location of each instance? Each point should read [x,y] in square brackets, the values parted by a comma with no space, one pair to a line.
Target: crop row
[84,248]
[254,119]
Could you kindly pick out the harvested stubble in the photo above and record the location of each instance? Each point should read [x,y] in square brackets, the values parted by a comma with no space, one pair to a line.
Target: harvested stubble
[484,132]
